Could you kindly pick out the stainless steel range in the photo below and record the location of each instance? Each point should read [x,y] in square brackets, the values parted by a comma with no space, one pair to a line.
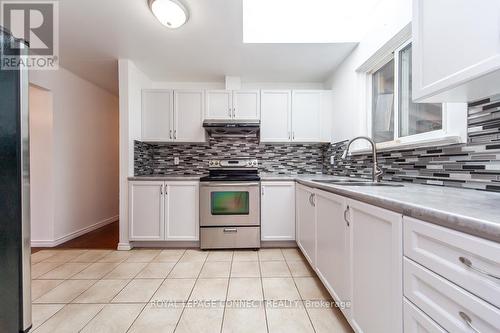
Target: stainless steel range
[230,205]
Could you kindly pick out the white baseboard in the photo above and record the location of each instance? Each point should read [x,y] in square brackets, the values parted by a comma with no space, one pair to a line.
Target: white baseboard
[124,247]
[70,236]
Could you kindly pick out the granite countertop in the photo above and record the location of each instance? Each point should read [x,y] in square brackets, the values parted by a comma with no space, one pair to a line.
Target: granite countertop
[167,177]
[470,211]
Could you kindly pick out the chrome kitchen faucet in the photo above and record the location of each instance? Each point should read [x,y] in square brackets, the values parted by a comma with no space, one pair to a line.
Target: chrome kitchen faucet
[377,172]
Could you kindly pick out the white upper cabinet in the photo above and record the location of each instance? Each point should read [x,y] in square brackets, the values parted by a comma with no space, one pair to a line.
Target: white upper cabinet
[277,211]
[246,104]
[172,115]
[219,104]
[157,115]
[188,115]
[456,50]
[326,119]
[296,116]
[229,104]
[306,116]
[376,266]
[276,116]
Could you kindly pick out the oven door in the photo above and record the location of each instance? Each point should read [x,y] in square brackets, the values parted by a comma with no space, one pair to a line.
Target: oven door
[229,204]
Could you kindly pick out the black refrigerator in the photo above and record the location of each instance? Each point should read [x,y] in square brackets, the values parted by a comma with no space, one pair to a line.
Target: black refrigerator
[15,248]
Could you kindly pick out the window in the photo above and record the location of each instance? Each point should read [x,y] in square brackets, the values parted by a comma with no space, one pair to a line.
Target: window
[394,116]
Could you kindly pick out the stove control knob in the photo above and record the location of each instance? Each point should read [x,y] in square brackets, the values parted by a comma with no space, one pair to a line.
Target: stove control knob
[254,163]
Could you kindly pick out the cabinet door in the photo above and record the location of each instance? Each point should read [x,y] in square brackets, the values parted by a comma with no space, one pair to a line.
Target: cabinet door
[146,210]
[277,211]
[188,115]
[157,115]
[182,211]
[306,119]
[326,116]
[306,222]
[276,116]
[446,60]
[246,104]
[219,104]
[332,237]
[376,264]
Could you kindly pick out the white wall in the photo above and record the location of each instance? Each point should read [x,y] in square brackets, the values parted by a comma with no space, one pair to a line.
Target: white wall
[349,87]
[131,83]
[41,164]
[85,150]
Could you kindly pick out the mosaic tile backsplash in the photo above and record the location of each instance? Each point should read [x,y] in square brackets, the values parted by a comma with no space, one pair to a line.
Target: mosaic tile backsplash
[473,165]
[158,158]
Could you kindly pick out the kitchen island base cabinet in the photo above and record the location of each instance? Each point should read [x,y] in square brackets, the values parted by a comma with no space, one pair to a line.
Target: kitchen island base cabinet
[306,222]
[277,211]
[376,268]
[163,211]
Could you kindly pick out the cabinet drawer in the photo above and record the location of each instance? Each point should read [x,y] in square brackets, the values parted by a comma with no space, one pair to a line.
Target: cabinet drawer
[415,321]
[229,237]
[447,304]
[440,250]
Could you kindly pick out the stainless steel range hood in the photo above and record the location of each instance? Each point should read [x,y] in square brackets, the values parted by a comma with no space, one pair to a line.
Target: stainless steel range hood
[232,128]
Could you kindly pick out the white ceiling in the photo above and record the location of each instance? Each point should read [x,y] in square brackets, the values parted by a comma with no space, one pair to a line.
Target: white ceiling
[95,33]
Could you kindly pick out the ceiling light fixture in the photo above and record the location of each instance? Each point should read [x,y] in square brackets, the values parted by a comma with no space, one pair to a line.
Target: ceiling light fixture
[170,13]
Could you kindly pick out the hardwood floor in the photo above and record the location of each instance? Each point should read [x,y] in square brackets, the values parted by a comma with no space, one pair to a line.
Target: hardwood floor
[102,238]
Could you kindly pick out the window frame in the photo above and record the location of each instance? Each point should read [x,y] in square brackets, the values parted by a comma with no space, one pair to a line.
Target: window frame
[450,131]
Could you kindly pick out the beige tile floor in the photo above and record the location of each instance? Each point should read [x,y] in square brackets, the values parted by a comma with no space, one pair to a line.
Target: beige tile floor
[172,290]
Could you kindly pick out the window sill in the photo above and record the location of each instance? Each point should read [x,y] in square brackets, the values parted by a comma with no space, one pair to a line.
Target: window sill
[398,145]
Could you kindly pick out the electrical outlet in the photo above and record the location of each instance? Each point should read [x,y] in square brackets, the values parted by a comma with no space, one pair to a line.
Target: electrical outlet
[176,160]
[332,160]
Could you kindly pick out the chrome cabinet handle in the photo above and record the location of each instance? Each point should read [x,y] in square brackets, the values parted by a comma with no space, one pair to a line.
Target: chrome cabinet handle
[170,134]
[293,135]
[314,199]
[230,230]
[230,114]
[175,134]
[262,190]
[161,189]
[345,216]
[234,112]
[311,199]
[468,321]
[468,263]
[289,135]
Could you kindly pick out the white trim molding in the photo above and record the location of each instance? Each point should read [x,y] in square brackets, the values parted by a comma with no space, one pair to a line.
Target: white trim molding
[70,236]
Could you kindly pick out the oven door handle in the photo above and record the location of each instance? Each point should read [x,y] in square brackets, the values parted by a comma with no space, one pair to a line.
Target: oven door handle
[226,184]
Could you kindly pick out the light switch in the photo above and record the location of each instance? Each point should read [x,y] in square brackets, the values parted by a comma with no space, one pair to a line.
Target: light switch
[176,160]
[332,159]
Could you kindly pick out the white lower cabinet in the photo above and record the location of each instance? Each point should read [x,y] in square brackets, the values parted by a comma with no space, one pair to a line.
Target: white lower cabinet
[415,321]
[146,210]
[453,308]
[376,268]
[182,211]
[306,222]
[333,250]
[163,210]
[277,211]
